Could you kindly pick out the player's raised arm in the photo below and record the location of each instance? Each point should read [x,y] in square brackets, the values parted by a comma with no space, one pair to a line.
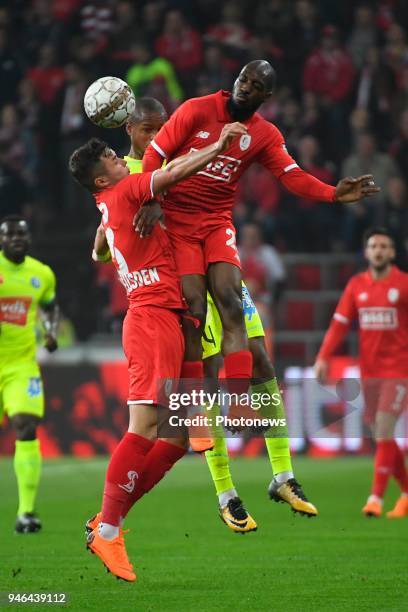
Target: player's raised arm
[183,167]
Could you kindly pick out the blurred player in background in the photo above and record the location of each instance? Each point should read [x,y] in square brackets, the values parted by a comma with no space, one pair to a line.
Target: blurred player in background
[199,222]
[379,299]
[27,286]
[147,119]
[152,338]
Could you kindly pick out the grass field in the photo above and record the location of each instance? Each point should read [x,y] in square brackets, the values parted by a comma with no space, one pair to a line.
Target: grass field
[187,560]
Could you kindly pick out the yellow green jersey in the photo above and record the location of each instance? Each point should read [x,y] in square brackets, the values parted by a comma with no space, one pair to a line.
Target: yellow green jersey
[24,287]
[134,165]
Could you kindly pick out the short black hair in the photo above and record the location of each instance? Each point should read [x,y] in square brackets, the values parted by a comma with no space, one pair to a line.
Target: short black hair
[146,106]
[84,161]
[13,219]
[374,231]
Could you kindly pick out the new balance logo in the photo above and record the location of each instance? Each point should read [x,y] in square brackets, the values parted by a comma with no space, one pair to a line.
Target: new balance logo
[130,486]
[203,135]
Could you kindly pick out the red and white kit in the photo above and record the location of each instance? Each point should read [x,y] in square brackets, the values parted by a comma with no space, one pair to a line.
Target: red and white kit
[381,307]
[198,210]
[152,337]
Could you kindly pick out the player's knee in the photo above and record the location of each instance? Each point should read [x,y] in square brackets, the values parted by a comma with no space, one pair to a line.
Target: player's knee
[230,305]
[262,365]
[25,427]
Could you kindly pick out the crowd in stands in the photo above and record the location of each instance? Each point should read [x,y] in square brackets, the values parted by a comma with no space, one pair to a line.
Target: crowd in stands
[341,100]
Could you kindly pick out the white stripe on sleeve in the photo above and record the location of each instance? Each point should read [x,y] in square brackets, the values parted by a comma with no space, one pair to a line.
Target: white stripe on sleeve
[290,167]
[341,318]
[158,149]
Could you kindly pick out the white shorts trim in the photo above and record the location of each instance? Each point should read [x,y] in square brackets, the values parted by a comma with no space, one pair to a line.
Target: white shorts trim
[140,402]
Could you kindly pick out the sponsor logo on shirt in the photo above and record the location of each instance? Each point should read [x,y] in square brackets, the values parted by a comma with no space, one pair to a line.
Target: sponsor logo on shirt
[378,318]
[203,135]
[244,142]
[393,295]
[221,168]
[14,310]
[139,278]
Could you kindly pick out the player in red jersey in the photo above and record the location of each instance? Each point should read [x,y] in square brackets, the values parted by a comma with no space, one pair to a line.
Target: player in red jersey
[379,299]
[152,338]
[198,211]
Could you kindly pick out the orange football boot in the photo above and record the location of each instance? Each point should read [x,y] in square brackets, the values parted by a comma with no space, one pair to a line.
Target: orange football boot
[372,508]
[113,555]
[400,509]
[200,445]
[92,523]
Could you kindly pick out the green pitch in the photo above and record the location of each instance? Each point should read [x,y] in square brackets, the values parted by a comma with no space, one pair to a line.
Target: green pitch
[187,559]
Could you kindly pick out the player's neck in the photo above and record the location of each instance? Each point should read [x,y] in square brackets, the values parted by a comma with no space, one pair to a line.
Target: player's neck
[135,154]
[14,260]
[379,274]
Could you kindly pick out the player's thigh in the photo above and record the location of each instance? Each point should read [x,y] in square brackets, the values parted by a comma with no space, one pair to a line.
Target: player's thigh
[188,254]
[220,245]
[392,402]
[154,347]
[212,334]
[23,391]
[143,420]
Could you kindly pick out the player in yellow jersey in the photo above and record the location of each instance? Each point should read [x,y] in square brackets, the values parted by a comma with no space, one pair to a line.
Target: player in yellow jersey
[147,119]
[26,286]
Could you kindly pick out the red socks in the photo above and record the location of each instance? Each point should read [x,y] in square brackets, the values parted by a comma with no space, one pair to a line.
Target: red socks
[123,475]
[238,365]
[160,460]
[383,466]
[400,471]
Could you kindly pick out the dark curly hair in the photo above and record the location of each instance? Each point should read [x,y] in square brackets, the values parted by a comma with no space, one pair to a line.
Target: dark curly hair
[83,163]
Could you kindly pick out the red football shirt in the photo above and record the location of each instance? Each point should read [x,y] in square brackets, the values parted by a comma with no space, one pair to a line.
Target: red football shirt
[146,265]
[199,122]
[381,307]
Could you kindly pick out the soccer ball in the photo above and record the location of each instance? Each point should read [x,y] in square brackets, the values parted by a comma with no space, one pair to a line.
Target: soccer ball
[108,102]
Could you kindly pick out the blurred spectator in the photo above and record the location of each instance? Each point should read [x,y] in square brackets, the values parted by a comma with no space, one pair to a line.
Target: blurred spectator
[214,75]
[395,216]
[97,19]
[231,34]
[124,32]
[47,76]
[396,51]
[274,18]
[152,18]
[300,42]
[147,69]
[366,159]
[363,35]
[10,70]
[262,266]
[181,45]
[399,146]
[329,73]
[13,191]
[259,192]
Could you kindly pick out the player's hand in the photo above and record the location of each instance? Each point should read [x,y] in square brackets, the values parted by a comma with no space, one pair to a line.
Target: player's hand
[321,368]
[352,189]
[229,132]
[146,218]
[50,343]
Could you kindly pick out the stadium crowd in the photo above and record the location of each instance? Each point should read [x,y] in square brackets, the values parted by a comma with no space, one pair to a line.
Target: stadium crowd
[341,99]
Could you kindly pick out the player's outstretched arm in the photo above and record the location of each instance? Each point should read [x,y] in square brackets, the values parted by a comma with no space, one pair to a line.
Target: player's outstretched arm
[352,189]
[101,250]
[183,167]
[51,318]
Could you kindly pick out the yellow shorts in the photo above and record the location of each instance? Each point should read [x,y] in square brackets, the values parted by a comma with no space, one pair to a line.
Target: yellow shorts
[212,336]
[21,389]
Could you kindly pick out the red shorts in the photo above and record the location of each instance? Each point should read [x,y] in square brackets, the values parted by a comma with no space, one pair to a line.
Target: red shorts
[154,347]
[385,395]
[197,245]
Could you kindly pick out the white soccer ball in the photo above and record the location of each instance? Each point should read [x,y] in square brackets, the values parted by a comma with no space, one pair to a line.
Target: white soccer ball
[108,102]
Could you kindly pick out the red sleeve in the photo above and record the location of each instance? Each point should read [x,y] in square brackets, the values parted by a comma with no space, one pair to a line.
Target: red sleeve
[139,188]
[275,157]
[345,312]
[152,160]
[175,131]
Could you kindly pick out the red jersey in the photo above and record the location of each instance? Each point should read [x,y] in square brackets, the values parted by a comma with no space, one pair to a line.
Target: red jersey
[381,307]
[146,265]
[199,122]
